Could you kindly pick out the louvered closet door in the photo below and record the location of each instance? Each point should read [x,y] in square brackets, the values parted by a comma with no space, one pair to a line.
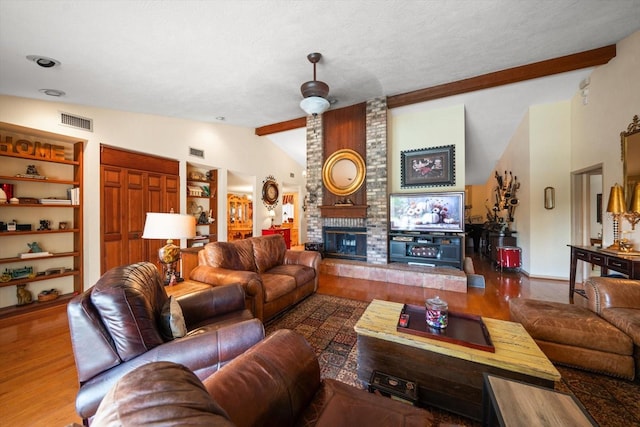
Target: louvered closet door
[127,194]
[111,219]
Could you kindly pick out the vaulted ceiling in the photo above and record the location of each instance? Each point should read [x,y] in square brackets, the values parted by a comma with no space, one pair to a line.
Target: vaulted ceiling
[244,61]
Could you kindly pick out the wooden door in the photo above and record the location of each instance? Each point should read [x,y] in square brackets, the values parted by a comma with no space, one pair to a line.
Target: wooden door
[127,194]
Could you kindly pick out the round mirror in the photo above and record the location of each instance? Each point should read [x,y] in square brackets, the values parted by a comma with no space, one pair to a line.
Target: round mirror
[343,172]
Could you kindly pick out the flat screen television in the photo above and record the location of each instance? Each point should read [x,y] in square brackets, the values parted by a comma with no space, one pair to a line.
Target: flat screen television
[427,212]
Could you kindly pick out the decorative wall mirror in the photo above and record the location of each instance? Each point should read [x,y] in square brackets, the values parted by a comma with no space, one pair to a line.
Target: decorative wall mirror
[270,192]
[343,172]
[630,144]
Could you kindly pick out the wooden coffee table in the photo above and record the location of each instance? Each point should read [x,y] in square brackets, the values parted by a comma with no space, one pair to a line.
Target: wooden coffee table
[449,376]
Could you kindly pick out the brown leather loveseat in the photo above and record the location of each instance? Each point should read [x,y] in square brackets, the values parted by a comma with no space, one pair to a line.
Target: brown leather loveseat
[274,278]
[275,383]
[603,337]
[117,326]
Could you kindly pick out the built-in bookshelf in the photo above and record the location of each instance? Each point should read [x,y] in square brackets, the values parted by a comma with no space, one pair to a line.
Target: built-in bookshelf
[40,218]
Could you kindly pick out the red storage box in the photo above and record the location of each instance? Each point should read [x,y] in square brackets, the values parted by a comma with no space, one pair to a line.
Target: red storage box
[509,257]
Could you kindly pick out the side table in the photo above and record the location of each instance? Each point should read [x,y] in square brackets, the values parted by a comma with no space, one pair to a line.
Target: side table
[185,287]
[511,403]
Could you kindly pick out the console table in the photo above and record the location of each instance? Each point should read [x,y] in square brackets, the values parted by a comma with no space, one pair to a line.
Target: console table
[286,233]
[625,264]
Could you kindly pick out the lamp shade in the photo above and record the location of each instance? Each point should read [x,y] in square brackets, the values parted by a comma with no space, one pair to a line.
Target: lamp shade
[314,105]
[635,200]
[616,203]
[272,213]
[169,226]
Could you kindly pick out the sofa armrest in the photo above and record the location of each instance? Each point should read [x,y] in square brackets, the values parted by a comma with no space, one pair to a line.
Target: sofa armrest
[217,276]
[609,292]
[203,353]
[212,302]
[279,376]
[308,258]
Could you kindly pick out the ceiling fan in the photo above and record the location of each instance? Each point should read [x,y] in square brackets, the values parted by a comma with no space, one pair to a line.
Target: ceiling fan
[314,92]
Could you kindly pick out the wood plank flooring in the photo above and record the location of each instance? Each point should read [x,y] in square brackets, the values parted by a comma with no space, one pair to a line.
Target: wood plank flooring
[38,380]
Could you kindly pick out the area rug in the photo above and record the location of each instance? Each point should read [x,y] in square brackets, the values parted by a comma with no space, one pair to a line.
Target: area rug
[327,323]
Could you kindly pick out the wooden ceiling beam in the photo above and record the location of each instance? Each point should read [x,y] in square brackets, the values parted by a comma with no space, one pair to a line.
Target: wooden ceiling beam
[562,64]
[282,126]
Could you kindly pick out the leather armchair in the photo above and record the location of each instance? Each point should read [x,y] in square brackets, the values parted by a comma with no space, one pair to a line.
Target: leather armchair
[618,302]
[116,326]
[275,383]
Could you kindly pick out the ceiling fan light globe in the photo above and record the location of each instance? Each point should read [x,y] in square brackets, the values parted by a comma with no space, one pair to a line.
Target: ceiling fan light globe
[314,105]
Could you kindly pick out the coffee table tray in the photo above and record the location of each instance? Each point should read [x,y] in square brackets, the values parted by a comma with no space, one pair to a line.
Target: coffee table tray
[463,329]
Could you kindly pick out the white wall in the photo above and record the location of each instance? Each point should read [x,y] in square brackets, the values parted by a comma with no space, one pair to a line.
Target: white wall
[516,160]
[226,148]
[539,155]
[550,229]
[412,130]
[614,98]
[555,140]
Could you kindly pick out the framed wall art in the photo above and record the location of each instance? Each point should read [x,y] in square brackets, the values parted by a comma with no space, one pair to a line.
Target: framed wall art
[428,167]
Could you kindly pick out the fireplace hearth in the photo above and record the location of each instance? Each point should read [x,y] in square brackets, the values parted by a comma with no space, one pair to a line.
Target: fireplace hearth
[345,243]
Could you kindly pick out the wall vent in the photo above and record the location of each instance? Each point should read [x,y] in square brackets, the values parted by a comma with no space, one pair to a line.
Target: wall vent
[196,152]
[77,122]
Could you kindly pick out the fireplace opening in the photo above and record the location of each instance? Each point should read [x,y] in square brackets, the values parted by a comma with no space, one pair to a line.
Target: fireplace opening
[345,242]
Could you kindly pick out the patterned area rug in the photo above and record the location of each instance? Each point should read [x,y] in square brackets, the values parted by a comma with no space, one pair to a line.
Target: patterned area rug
[327,323]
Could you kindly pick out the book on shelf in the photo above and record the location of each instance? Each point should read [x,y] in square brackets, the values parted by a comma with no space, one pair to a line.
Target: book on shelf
[35,254]
[74,195]
[52,201]
[30,176]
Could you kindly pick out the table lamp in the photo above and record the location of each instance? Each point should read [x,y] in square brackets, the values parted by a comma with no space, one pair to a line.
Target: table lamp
[616,207]
[169,226]
[272,215]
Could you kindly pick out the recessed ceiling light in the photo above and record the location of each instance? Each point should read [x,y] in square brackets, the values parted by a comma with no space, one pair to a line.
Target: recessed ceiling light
[220,118]
[43,61]
[52,92]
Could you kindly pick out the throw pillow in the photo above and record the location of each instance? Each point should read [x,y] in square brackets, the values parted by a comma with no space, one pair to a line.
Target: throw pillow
[172,320]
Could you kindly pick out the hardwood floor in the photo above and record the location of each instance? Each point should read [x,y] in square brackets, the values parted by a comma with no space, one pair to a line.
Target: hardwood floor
[38,380]
[491,301]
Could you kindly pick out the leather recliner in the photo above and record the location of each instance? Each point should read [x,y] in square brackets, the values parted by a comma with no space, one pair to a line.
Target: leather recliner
[117,326]
[275,383]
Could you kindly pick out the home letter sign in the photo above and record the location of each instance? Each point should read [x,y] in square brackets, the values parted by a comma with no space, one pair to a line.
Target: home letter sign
[35,149]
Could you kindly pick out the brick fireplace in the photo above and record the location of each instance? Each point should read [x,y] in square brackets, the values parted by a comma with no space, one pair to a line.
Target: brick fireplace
[375,224]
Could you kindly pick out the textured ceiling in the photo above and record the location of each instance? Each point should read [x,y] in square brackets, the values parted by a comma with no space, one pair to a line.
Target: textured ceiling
[245,60]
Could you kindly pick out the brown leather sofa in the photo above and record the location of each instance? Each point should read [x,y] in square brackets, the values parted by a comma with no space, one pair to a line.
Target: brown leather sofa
[604,337]
[275,383]
[274,278]
[116,326]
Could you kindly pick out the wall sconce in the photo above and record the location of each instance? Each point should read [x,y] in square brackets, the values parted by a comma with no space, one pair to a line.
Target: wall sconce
[616,208]
[633,216]
[549,198]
